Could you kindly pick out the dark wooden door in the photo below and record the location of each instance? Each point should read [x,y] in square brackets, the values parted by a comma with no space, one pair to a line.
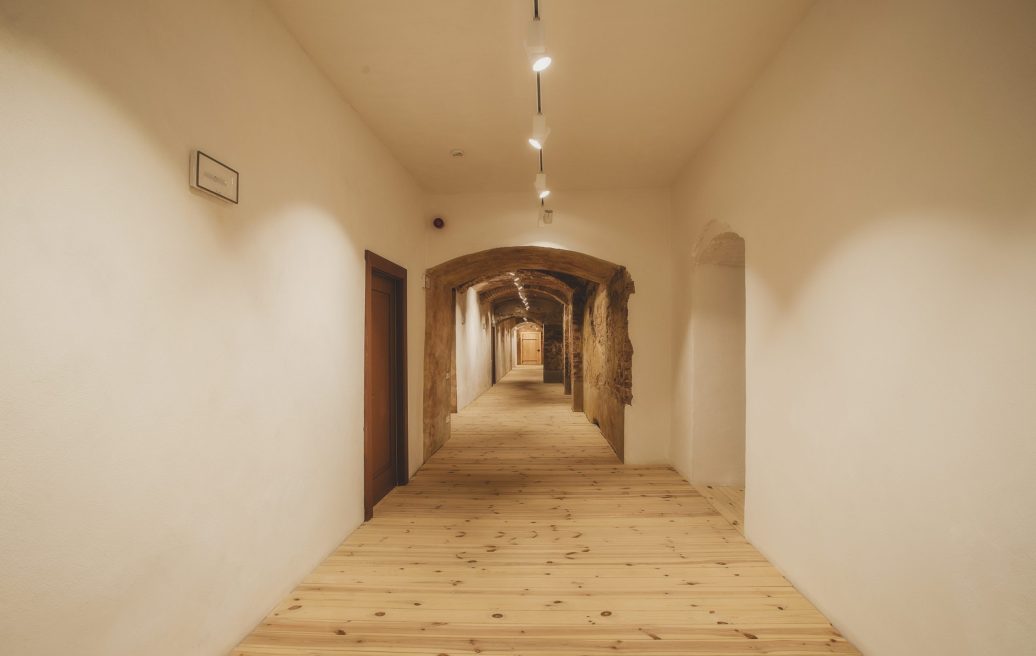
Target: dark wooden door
[385,381]
[382,430]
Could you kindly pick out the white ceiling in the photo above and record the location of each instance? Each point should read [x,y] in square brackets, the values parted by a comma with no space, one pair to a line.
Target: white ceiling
[635,86]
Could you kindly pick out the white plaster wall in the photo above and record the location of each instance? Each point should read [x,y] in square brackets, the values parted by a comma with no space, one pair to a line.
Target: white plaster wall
[631,228]
[882,174]
[181,380]
[474,348]
[504,355]
[718,394]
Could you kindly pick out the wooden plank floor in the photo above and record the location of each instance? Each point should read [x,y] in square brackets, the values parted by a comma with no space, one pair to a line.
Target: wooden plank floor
[728,502]
[525,535]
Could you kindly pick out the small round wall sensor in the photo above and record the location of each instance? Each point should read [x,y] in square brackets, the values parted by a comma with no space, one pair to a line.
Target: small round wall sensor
[438,222]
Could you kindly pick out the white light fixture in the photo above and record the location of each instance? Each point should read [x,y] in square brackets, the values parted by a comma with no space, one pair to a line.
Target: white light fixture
[536,46]
[540,132]
[541,185]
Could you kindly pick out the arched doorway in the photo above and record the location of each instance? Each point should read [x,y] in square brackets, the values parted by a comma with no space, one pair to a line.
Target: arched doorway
[580,301]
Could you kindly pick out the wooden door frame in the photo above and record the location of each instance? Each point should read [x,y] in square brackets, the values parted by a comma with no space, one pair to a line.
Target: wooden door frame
[376,263]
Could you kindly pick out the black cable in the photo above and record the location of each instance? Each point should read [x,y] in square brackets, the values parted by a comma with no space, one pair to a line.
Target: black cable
[539,95]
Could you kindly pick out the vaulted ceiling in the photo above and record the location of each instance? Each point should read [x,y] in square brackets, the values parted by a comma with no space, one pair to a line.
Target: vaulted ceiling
[635,88]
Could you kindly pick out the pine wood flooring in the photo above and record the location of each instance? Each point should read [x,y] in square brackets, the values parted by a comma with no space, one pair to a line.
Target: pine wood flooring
[525,535]
[728,501]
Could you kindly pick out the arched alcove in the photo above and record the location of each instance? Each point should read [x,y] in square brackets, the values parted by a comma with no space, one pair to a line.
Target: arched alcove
[718,334]
[568,293]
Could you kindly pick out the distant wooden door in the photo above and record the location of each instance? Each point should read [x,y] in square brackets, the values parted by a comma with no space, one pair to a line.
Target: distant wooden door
[384,381]
[530,351]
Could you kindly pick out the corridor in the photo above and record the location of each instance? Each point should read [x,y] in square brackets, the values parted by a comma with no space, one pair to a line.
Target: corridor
[524,534]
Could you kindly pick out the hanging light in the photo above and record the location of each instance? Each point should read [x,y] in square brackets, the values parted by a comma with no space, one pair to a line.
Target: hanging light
[536,48]
[540,132]
[541,185]
[536,45]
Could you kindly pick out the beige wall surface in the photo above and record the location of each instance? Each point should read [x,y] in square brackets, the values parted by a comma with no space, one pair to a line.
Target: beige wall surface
[474,348]
[180,379]
[717,391]
[882,174]
[630,228]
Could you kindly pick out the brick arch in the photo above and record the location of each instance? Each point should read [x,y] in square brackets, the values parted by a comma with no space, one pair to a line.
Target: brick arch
[592,291]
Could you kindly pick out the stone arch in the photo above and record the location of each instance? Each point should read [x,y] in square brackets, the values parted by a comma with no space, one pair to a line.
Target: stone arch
[592,292]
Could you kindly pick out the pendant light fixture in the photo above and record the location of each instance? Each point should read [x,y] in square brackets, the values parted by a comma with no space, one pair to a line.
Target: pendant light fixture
[541,185]
[536,48]
[536,42]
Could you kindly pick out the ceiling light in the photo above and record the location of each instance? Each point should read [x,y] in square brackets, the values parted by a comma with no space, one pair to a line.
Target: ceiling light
[541,185]
[536,46]
[540,132]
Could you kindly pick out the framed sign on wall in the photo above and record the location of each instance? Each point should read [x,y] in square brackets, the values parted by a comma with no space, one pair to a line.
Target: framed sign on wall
[215,177]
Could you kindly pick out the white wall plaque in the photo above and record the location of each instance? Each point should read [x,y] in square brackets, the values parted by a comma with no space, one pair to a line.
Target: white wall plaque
[214,177]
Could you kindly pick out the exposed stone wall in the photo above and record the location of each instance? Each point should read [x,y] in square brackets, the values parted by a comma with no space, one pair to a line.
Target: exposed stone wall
[553,352]
[608,357]
[575,351]
[439,347]
[566,371]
